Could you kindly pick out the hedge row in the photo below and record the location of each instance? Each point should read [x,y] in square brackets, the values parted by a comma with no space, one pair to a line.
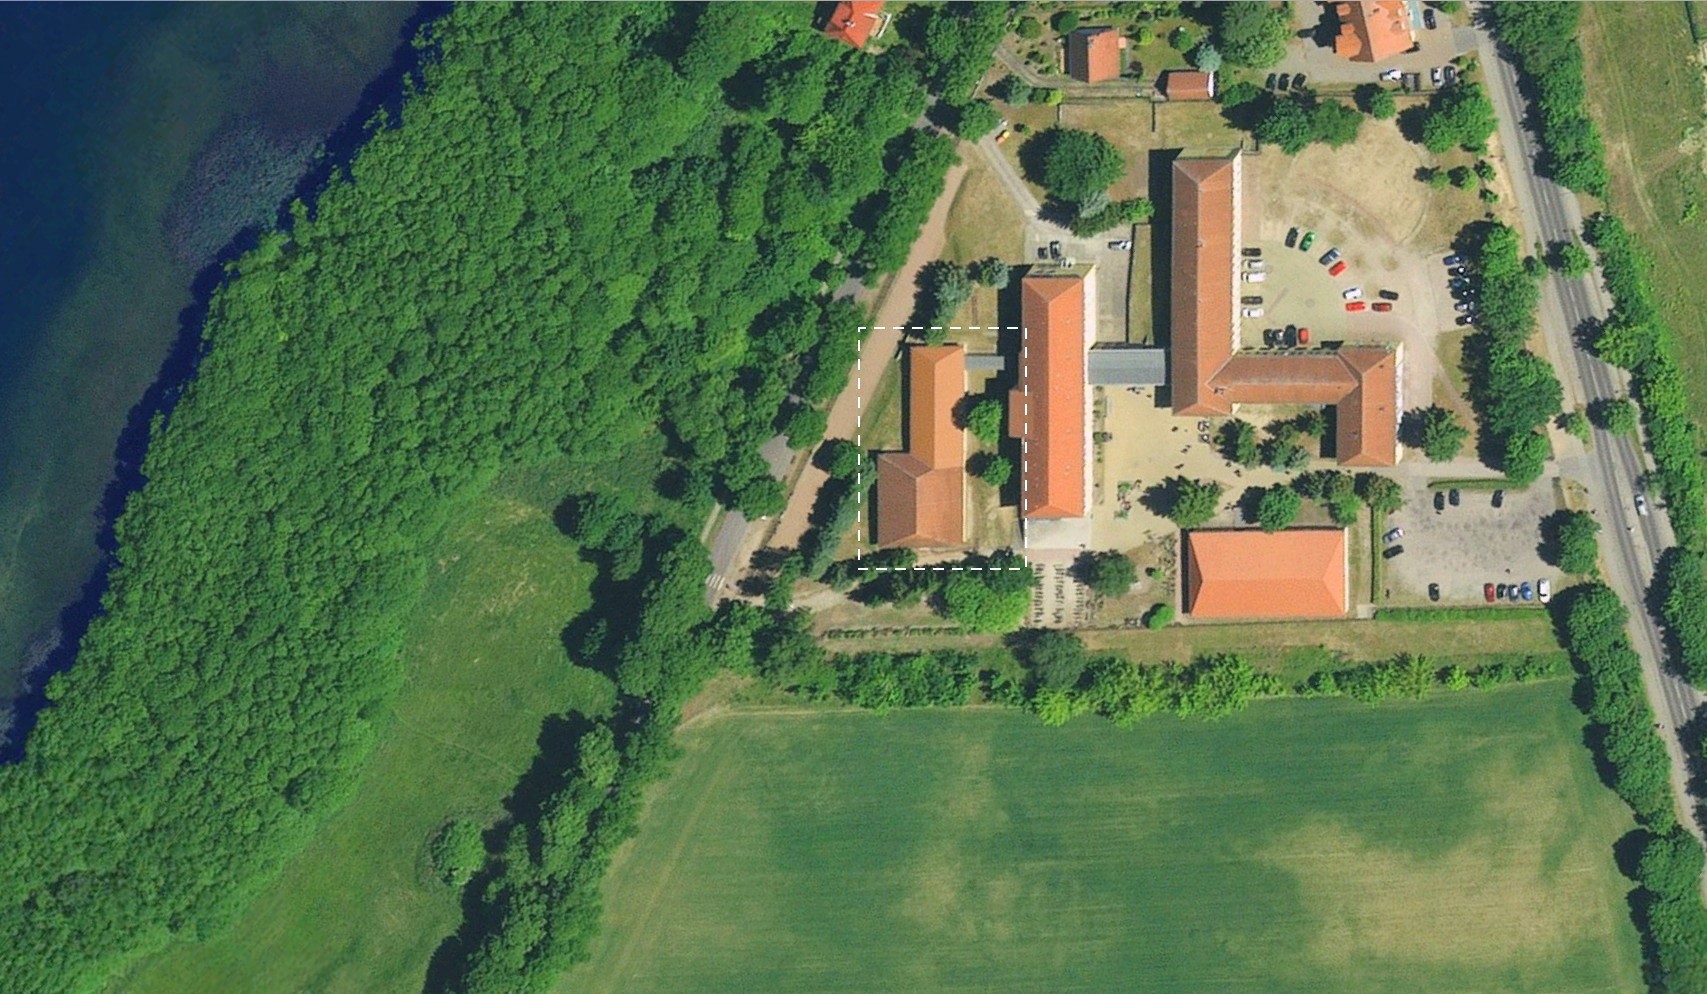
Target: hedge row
[1449,614]
[1669,909]
[1542,39]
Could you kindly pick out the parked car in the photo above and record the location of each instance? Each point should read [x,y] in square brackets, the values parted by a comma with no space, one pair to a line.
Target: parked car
[1428,18]
[1253,312]
[1457,281]
[1337,268]
[1250,301]
[1251,253]
[1488,592]
[1453,497]
[1389,76]
[1461,306]
[1642,505]
[1526,591]
[1434,76]
[1291,237]
[1393,535]
[1352,293]
[1392,552]
[1054,250]
[1303,336]
[1254,277]
[1434,591]
[1543,590]
[1511,593]
[1285,82]
[1255,265]
[1270,84]
[1355,306]
[1465,320]
[1458,271]
[1330,257]
[1298,81]
[1439,501]
[1002,136]
[1289,338]
[1042,253]
[1389,295]
[1453,260]
[1122,244]
[1270,337]
[1382,306]
[1309,240]
[1499,498]
[1499,591]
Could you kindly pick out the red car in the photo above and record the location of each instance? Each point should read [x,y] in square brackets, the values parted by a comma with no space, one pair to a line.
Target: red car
[1488,592]
[1337,268]
[1382,306]
[1303,336]
[1356,305]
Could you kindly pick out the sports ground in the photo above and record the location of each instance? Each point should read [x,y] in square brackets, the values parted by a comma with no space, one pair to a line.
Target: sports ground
[1462,843]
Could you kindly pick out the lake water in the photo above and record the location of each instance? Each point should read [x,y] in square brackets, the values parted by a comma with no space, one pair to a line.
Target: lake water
[139,139]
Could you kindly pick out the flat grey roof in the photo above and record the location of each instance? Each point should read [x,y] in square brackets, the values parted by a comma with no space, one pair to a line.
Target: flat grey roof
[1128,366]
[990,361]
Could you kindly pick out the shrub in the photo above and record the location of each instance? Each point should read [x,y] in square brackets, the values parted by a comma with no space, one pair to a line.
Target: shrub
[805,427]
[457,852]
[996,470]
[1109,574]
[984,420]
[1029,28]
[1278,507]
[1066,21]
[1182,39]
[1159,617]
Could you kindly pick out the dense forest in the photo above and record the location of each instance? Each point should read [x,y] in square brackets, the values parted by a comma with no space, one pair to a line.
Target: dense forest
[584,225]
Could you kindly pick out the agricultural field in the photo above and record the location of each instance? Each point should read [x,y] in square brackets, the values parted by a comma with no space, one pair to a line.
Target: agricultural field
[1647,93]
[1462,843]
[359,910]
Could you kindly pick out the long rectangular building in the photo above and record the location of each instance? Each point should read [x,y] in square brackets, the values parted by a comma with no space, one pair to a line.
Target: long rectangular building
[1049,409]
[920,492]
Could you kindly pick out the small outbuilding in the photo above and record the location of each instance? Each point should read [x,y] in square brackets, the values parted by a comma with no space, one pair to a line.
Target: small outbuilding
[1094,54]
[1188,84]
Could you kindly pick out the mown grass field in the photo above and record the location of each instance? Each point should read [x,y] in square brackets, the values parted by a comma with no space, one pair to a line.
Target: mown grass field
[1459,844]
[1647,94]
[359,912]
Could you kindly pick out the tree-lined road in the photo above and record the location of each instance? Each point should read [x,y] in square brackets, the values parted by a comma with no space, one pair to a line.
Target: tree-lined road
[1614,466]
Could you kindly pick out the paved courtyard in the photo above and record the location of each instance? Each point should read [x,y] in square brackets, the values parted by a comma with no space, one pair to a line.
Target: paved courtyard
[1463,547]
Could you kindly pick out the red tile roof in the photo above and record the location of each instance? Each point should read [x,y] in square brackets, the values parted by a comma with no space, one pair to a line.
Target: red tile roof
[1093,54]
[853,21]
[1205,374]
[1187,84]
[1373,31]
[1047,410]
[1296,573]
[919,491]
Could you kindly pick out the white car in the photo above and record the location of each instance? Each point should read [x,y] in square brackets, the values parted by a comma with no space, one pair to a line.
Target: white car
[1434,76]
[1393,536]
[1122,245]
[1544,590]
[1354,293]
[1641,505]
[1255,265]
[1255,277]
[1253,312]
[1390,75]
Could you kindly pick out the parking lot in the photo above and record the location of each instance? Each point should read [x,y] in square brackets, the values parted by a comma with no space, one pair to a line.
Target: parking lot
[1463,547]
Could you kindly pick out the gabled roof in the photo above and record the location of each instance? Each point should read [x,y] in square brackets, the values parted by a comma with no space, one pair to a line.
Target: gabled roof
[1047,410]
[1188,84]
[1208,377]
[1093,54]
[854,20]
[1201,292]
[919,491]
[1373,31]
[1245,573]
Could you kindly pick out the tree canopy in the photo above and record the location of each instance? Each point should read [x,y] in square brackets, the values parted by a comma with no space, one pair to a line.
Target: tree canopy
[1277,507]
[1075,165]
[1252,33]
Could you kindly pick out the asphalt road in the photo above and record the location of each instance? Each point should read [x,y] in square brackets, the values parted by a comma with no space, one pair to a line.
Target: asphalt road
[1631,543]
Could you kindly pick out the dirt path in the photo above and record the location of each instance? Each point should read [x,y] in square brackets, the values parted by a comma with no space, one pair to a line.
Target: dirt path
[879,349]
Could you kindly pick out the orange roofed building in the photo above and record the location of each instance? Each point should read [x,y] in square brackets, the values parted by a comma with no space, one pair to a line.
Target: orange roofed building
[1296,573]
[1093,54]
[1374,30]
[1049,410]
[919,491]
[1209,377]
[1188,84]
[855,21]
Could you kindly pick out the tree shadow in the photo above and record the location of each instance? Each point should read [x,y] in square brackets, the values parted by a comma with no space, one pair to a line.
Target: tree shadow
[1248,503]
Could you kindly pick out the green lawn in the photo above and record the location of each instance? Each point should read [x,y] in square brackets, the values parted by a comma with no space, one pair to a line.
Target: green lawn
[1460,844]
[1647,95]
[358,912]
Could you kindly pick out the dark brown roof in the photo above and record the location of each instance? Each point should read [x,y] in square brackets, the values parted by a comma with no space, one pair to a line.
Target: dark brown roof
[1093,55]
[1047,410]
[919,491]
[1207,377]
